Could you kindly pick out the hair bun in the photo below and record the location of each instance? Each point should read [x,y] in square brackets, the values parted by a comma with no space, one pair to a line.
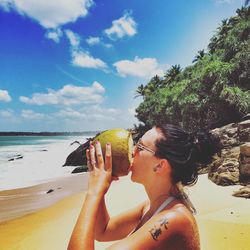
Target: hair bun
[205,145]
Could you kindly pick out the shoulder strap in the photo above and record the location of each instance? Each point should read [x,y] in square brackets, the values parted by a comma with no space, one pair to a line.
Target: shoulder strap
[164,204]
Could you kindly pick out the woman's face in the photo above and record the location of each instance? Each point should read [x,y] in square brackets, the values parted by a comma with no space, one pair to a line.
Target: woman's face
[144,159]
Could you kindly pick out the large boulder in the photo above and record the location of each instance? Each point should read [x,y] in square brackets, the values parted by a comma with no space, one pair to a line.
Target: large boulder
[244,162]
[232,166]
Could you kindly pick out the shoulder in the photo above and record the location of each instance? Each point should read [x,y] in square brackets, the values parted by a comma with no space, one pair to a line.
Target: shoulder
[158,230]
[172,221]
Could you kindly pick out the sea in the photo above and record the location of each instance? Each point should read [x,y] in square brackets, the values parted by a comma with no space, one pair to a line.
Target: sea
[31,160]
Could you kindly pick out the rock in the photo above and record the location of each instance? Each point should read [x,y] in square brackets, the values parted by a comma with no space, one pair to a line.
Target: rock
[75,142]
[232,165]
[243,192]
[246,117]
[16,157]
[77,157]
[243,125]
[245,170]
[245,149]
[80,170]
[50,191]
[228,135]
[244,135]
[244,163]
[231,153]
[224,173]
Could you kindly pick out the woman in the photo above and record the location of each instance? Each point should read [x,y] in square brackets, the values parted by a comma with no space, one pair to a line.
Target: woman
[164,160]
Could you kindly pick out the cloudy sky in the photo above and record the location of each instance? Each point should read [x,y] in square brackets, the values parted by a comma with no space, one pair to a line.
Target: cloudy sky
[74,65]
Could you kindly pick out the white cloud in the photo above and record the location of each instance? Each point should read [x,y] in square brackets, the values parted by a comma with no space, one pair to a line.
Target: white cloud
[68,95]
[140,67]
[6,113]
[90,113]
[219,2]
[82,58]
[70,113]
[54,35]
[85,60]
[74,38]
[4,96]
[49,14]
[31,115]
[96,40]
[93,40]
[97,109]
[124,26]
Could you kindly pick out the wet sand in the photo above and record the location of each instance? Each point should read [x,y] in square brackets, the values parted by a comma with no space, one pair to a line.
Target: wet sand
[223,220]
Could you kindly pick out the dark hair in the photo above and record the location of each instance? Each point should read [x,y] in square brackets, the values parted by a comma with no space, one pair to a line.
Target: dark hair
[185,151]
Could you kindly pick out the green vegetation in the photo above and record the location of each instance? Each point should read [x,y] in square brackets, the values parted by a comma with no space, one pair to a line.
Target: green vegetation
[212,92]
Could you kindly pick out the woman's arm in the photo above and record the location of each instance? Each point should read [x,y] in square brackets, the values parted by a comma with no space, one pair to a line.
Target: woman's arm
[100,177]
[119,226]
[156,233]
[83,233]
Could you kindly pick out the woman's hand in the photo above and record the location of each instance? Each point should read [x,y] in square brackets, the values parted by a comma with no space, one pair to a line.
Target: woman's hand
[100,171]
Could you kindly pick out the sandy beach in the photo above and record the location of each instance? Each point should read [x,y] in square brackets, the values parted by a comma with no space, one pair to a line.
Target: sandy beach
[224,220]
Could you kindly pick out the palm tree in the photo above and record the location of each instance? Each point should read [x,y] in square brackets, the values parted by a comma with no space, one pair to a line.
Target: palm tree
[141,90]
[172,73]
[243,12]
[225,26]
[199,56]
[155,81]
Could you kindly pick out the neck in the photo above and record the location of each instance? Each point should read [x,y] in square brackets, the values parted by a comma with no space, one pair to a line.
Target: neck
[158,193]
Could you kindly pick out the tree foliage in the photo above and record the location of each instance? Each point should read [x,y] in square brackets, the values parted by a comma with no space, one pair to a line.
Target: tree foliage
[212,92]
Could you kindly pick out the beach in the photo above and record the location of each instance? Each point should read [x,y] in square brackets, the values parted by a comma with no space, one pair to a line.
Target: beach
[223,220]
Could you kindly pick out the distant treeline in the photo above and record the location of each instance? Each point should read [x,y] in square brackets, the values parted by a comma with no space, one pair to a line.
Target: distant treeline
[48,133]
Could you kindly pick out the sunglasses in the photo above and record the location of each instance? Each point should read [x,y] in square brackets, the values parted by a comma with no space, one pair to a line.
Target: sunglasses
[140,147]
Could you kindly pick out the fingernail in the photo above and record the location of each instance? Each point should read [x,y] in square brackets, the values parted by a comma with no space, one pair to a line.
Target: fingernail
[97,142]
[91,146]
[108,143]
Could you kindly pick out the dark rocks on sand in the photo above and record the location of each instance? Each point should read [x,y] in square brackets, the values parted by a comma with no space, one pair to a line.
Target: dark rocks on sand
[80,170]
[50,191]
[16,157]
[75,142]
[78,156]
[243,192]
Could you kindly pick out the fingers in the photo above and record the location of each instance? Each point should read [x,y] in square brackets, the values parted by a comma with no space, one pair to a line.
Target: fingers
[90,168]
[99,156]
[92,156]
[95,157]
[108,158]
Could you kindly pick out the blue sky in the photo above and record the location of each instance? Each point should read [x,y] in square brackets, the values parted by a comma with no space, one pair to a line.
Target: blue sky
[75,65]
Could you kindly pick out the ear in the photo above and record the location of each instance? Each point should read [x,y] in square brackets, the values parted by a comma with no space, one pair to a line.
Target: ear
[164,167]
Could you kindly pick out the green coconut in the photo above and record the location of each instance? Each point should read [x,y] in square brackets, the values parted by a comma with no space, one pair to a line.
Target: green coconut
[122,146]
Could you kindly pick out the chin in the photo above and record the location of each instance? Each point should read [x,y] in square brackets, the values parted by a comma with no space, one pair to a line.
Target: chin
[134,179]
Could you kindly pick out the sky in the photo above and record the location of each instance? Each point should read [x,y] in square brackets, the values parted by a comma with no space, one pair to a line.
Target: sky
[74,65]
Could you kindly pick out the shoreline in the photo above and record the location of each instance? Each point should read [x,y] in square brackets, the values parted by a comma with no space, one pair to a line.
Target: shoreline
[223,220]
[18,202]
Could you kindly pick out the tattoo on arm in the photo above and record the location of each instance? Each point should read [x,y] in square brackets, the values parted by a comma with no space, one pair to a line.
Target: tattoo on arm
[156,231]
